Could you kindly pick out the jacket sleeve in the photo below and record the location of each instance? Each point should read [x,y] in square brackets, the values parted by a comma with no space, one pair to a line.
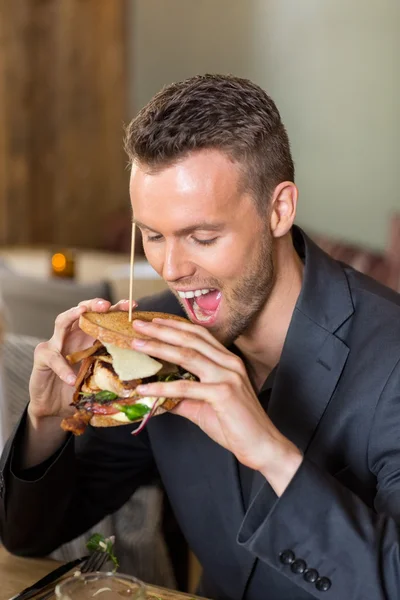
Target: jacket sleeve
[354,550]
[86,479]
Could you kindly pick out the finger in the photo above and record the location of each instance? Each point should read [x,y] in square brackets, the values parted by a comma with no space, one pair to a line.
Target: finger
[120,305]
[63,325]
[189,409]
[188,358]
[211,393]
[96,304]
[46,357]
[191,327]
[123,305]
[65,322]
[189,338]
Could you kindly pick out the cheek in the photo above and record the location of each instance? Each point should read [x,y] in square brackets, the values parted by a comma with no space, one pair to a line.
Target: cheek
[154,255]
[226,260]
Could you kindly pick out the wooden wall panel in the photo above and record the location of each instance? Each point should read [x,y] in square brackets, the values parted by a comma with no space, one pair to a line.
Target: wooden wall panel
[3,184]
[63,77]
[15,119]
[44,128]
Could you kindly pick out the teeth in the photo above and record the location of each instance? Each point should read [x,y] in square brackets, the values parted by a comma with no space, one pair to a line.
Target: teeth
[193,293]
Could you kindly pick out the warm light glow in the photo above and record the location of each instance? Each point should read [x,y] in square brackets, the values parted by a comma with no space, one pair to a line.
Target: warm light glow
[58,262]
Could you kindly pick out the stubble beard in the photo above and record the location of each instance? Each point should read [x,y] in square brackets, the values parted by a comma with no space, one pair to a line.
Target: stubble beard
[244,302]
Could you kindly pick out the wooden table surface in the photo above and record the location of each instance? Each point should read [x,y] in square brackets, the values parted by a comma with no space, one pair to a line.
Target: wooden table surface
[17,573]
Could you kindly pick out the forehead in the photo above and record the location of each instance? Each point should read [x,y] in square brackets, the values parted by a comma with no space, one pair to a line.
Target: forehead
[203,185]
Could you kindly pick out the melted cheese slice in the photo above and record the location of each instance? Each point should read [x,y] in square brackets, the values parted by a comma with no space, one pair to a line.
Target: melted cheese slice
[121,417]
[129,364]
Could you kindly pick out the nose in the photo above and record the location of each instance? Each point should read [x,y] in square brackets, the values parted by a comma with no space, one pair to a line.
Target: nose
[177,264]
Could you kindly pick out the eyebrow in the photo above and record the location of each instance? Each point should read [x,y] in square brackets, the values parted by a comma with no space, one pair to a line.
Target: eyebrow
[204,226]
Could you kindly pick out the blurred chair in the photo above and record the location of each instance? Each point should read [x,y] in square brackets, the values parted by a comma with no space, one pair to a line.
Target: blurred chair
[3,415]
[31,304]
[382,266]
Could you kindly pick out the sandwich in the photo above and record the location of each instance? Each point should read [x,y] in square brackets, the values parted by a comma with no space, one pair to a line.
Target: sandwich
[110,371]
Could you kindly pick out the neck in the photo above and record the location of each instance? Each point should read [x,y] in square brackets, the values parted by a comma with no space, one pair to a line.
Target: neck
[262,343]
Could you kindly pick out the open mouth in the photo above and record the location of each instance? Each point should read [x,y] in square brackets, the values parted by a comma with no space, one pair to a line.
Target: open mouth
[202,305]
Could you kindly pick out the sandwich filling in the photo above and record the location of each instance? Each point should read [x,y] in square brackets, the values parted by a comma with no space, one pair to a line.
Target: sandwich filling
[107,381]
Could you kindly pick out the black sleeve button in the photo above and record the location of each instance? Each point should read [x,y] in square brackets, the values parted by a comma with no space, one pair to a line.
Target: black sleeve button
[311,575]
[287,557]
[323,584]
[299,566]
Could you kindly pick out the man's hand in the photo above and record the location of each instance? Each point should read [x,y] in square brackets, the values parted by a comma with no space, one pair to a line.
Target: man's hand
[52,381]
[223,403]
[53,378]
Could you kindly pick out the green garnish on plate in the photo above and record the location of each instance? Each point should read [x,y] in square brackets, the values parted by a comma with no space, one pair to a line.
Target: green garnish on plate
[97,542]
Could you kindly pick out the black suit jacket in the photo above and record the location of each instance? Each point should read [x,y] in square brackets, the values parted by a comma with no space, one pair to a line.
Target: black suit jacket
[336,395]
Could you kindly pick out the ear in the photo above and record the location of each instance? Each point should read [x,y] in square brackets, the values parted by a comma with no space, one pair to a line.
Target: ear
[283,208]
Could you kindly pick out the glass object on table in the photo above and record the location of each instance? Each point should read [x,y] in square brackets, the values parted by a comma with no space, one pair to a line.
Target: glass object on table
[101,586]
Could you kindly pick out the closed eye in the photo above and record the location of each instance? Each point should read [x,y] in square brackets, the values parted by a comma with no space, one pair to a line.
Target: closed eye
[158,237]
[205,242]
[154,238]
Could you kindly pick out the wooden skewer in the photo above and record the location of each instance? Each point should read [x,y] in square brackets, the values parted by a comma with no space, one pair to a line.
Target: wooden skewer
[131,270]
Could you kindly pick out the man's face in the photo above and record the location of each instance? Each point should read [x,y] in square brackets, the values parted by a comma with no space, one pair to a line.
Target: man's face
[203,234]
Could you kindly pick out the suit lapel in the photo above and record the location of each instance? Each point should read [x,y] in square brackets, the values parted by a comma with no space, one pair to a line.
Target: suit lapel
[304,383]
[313,357]
[306,379]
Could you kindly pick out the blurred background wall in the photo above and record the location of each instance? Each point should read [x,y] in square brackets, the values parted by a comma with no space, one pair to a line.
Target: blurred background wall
[73,71]
[333,68]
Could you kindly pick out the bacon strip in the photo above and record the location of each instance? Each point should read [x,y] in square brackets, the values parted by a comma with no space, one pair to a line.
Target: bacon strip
[77,423]
[108,409]
[83,370]
[76,357]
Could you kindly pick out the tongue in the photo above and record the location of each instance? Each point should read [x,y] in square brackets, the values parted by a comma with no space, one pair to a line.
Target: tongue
[210,301]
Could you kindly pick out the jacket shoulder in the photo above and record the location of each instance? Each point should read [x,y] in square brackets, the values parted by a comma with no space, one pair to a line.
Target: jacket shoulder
[371,291]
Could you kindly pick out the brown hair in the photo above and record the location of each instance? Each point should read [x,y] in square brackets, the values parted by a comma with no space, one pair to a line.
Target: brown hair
[215,112]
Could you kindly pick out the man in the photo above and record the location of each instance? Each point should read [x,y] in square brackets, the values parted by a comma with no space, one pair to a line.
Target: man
[283,466]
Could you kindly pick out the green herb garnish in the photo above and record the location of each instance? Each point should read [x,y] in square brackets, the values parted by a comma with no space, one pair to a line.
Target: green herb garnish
[105,396]
[133,411]
[176,376]
[169,377]
[98,543]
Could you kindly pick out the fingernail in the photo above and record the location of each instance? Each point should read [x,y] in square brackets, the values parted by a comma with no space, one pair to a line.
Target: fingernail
[101,302]
[140,323]
[71,379]
[142,389]
[138,342]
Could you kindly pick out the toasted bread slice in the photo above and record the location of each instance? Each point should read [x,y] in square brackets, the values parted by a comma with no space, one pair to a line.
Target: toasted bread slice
[115,328]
